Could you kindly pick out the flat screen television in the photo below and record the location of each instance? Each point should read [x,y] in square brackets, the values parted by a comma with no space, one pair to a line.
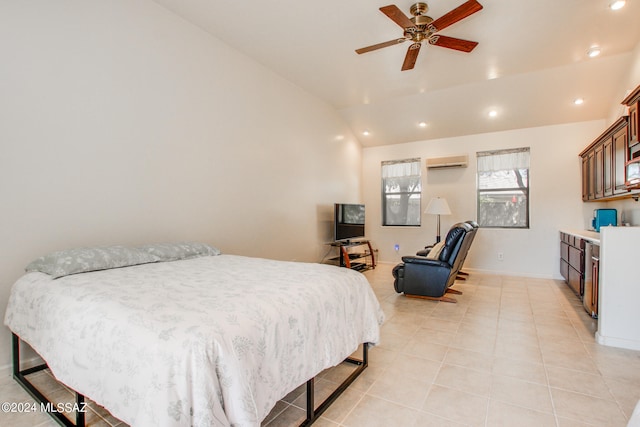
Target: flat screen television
[348,221]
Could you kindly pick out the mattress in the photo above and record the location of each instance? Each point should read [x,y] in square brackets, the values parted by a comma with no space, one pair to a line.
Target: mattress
[210,341]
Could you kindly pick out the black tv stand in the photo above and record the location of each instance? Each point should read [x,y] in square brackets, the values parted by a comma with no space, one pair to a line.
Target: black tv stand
[362,259]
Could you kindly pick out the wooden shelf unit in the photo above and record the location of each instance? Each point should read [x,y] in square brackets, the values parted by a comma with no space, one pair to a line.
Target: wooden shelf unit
[361,259]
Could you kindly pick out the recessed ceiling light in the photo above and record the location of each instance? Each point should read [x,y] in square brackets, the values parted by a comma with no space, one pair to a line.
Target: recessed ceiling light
[594,51]
[422,124]
[366,133]
[619,4]
[493,113]
[578,101]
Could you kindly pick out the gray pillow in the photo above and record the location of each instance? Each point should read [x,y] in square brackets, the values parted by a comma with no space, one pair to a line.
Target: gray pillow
[177,251]
[82,260]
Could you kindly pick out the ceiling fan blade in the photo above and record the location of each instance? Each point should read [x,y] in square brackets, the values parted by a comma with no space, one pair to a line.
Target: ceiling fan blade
[379,46]
[460,12]
[398,17]
[410,58]
[453,43]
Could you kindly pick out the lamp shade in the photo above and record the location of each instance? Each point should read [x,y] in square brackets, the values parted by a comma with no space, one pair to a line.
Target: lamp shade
[438,206]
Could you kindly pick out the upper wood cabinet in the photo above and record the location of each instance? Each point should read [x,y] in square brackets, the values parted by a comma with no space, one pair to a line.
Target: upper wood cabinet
[611,163]
[585,178]
[620,160]
[632,173]
[598,170]
[607,167]
[604,162]
[632,101]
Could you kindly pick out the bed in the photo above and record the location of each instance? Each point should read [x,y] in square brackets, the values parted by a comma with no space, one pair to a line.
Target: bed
[169,335]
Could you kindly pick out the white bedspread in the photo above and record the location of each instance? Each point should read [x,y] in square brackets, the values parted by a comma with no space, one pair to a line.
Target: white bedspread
[212,341]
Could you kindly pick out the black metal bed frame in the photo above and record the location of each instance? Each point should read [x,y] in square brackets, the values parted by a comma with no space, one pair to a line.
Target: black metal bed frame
[21,377]
[312,413]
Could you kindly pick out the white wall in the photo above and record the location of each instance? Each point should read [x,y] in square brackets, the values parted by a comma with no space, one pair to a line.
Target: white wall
[628,209]
[120,123]
[555,197]
[618,314]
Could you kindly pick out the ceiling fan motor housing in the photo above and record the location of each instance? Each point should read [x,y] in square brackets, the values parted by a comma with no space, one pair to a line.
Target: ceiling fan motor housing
[419,9]
[422,22]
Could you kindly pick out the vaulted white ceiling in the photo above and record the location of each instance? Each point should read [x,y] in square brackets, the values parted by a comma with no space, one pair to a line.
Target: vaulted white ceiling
[529,66]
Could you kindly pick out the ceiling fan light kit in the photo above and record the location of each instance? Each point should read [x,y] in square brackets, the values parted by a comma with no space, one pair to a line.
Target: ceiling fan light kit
[422,27]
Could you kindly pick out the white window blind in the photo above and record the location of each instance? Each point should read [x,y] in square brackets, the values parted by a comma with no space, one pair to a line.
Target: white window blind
[490,161]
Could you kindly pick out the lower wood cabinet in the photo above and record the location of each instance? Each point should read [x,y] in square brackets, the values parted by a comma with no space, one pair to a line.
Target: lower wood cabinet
[592,283]
[572,265]
[610,288]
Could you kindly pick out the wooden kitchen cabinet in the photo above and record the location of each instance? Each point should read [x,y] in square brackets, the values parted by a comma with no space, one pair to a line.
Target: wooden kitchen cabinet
[585,179]
[611,163]
[633,122]
[604,162]
[620,160]
[589,175]
[632,171]
[572,265]
[633,102]
[609,287]
[598,171]
[607,168]
[592,283]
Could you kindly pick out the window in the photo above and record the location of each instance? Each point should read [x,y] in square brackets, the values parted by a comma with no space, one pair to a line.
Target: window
[401,188]
[503,188]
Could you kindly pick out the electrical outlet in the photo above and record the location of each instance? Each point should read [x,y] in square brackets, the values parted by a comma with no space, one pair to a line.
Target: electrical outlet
[500,256]
[396,247]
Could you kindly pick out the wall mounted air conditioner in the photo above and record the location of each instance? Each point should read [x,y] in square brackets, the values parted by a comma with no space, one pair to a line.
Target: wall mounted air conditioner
[448,162]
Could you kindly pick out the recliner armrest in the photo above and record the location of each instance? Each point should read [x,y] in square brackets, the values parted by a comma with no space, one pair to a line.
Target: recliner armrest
[424,261]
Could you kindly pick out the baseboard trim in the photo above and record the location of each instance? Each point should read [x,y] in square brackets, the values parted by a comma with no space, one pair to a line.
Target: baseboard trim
[496,272]
[617,342]
[512,273]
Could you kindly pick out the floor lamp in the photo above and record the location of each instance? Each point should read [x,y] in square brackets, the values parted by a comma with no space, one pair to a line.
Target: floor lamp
[438,206]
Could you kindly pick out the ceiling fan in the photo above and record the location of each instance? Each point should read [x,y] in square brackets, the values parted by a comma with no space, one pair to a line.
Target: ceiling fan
[422,27]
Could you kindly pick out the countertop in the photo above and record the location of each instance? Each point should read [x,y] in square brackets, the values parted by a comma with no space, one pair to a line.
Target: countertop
[592,236]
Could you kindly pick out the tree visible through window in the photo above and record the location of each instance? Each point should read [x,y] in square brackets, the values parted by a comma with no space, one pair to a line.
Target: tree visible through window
[503,188]
[401,189]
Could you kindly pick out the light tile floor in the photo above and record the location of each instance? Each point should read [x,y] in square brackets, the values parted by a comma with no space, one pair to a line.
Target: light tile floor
[512,352]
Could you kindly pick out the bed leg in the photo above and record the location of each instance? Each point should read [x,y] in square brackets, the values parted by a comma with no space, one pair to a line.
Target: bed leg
[311,400]
[15,350]
[80,412]
[45,404]
[314,413]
